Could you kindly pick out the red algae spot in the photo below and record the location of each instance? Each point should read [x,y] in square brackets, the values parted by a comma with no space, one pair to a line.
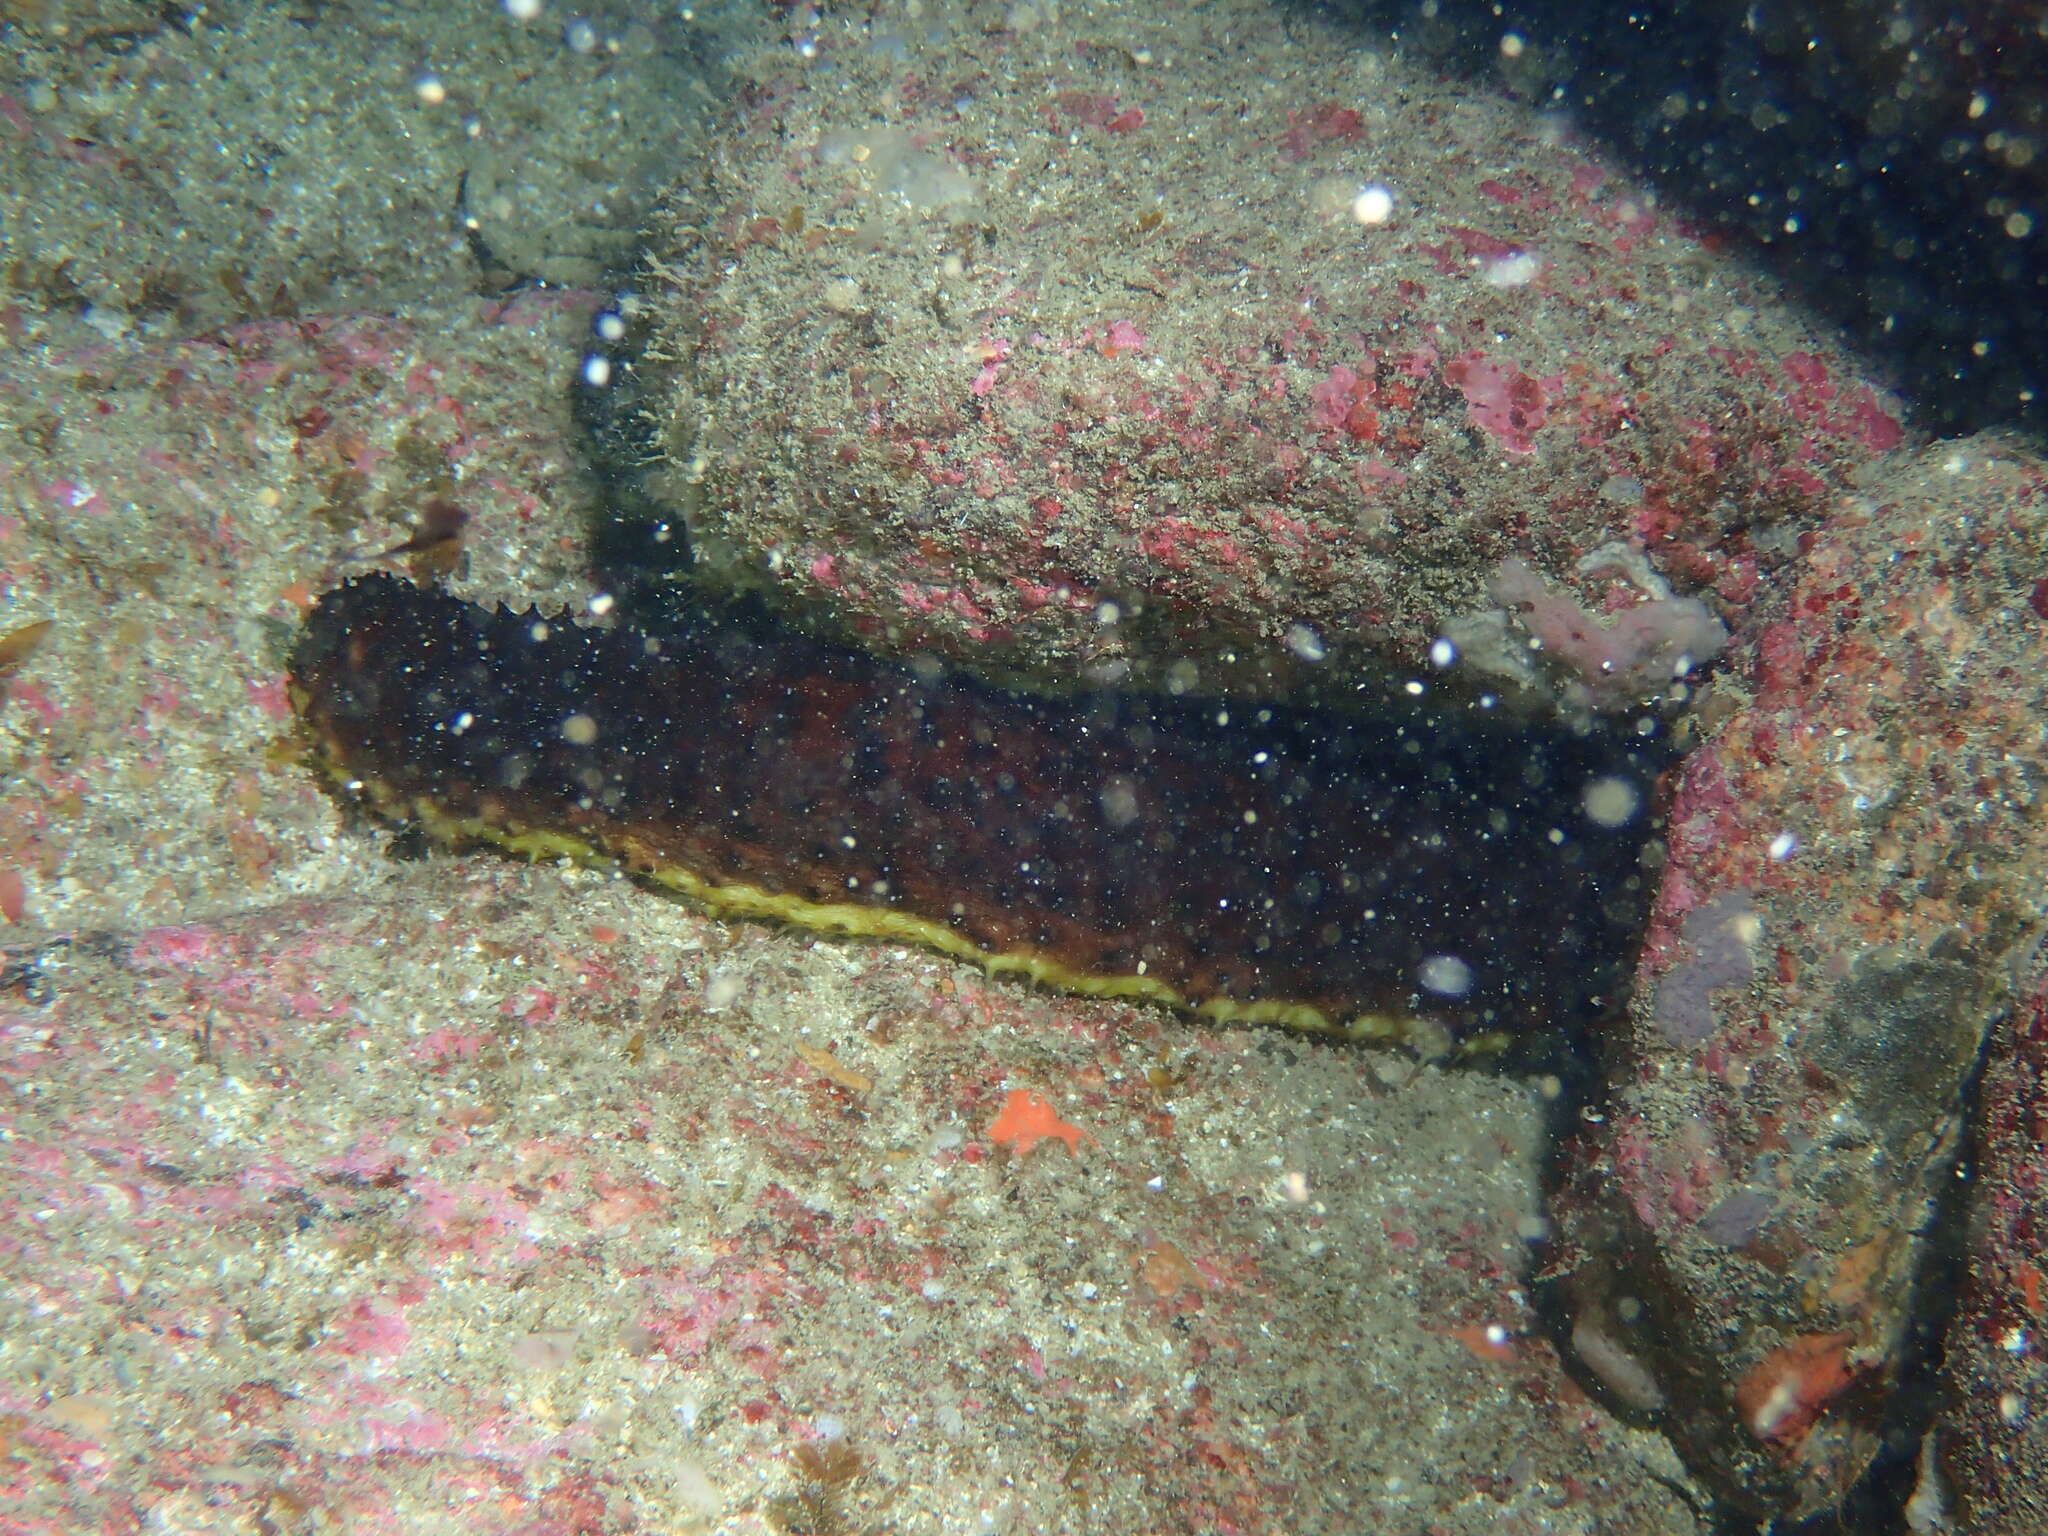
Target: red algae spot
[1123,337]
[1097,111]
[1324,123]
[1506,404]
[1487,1341]
[1344,403]
[1026,1119]
[1875,427]
[1791,1386]
[1167,1272]
[371,1326]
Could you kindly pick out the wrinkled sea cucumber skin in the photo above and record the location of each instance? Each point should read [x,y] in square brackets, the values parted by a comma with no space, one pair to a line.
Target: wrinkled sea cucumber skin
[1291,866]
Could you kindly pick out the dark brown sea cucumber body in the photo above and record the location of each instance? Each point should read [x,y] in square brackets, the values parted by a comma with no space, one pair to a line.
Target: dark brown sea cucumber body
[1306,867]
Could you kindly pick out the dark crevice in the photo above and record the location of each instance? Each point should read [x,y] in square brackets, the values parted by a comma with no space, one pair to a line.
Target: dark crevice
[1867,178]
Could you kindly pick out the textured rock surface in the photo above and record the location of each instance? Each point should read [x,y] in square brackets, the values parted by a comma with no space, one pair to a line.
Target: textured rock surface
[170,168]
[975,330]
[474,1194]
[1856,888]
[1993,1434]
[397,1195]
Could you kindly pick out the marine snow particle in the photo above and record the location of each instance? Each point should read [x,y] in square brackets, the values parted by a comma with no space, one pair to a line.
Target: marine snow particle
[608,325]
[431,90]
[1516,271]
[1443,653]
[579,33]
[523,10]
[1783,846]
[579,730]
[1119,801]
[1373,205]
[1445,975]
[1306,643]
[597,370]
[1611,801]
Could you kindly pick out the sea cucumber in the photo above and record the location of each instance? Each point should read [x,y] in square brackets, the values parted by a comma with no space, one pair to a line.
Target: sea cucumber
[1357,875]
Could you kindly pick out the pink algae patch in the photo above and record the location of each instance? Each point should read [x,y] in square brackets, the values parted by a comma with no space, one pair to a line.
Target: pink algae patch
[1324,123]
[1506,404]
[1342,402]
[370,1326]
[1123,337]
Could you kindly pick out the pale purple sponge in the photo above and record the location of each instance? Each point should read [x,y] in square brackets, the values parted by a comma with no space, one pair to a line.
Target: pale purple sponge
[1719,935]
[1621,659]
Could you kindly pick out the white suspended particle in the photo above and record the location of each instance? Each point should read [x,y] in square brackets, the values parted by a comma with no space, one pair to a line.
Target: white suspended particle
[1373,205]
[1783,846]
[1611,801]
[523,10]
[579,730]
[597,370]
[609,325]
[1516,271]
[1445,975]
[1442,653]
[1306,643]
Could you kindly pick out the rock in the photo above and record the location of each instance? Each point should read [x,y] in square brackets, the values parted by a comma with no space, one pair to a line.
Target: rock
[1992,1430]
[1853,894]
[1093,355]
